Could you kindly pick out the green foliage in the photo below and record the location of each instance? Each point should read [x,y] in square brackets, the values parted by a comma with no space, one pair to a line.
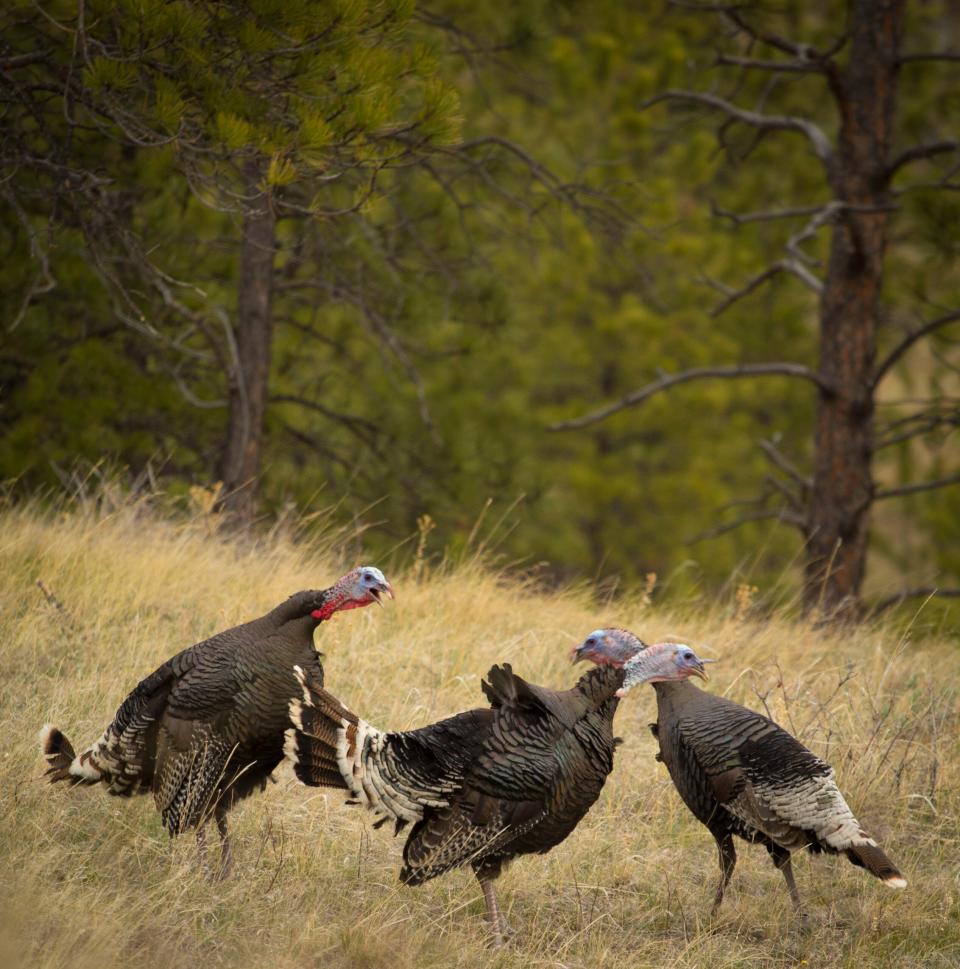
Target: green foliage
[435,307]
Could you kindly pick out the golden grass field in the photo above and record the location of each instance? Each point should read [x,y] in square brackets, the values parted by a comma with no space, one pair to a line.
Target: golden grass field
[93,881]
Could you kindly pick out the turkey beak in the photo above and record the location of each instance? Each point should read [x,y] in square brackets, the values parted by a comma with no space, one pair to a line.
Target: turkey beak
[386,589]
[575,655]
[698,670]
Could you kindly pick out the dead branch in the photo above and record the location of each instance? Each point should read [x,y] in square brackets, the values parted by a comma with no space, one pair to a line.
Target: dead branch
[916,425]
[24,60]
[777,458]
[766,122]
[927,56]
[783,67]
[920,152]
[794,500]
[921,592]
[792,266]
[667,381]
[917,487]
[783,515]
[755,282]
[816,222]
[803,52]
[769,215]
[43,281]
[908,341]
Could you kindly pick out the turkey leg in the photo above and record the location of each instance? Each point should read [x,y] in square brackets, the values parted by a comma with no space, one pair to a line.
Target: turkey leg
[781,858]
[728,861]
[226,852]
[499,926]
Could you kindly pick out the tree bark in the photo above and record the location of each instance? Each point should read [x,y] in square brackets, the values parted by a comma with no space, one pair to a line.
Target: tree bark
[249,378]
[865,92]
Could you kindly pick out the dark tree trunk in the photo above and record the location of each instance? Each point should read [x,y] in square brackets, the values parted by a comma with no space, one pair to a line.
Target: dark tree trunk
[865,92]
[249,379]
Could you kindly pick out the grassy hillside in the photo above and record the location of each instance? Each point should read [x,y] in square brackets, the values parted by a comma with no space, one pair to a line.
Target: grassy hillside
[93,881]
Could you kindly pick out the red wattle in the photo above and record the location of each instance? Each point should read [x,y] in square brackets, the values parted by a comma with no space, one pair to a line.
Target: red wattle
[325,611]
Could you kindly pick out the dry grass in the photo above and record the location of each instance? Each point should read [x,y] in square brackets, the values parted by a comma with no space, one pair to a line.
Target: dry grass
[93,881]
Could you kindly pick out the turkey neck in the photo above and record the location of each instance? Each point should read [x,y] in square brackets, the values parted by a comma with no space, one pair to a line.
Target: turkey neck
[600,684]
[298,607]
[300,629]
[673,696]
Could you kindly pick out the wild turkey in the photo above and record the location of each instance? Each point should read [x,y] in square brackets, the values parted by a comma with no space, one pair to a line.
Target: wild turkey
[207,728]
[479,788]
[737,771]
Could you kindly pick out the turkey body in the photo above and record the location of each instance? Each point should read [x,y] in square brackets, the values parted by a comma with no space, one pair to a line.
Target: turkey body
[741,774]
[206,728]
[480,788]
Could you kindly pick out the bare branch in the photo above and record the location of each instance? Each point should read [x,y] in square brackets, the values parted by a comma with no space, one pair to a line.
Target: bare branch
[817,221]
[771,215]
[768,215]
[917,425]
[908,341]
[784,265]
[913,489]
[362,427]
[783,515]
[798,262]
[927,56]
[783,67]
[24,60]
[733,295]
[767,122]
[794,500]
[777,458]
[920,152]
[921,592]
[803,52]
[43,281]
[685,376]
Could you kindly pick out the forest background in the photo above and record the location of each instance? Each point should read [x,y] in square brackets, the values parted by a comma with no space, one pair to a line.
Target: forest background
[370,261]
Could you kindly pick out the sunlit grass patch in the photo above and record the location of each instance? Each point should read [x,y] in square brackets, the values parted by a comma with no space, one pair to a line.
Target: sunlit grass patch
[94,881]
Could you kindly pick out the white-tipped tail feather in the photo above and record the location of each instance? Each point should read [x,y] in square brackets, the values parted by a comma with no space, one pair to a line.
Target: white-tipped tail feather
[330,746]
[63,764]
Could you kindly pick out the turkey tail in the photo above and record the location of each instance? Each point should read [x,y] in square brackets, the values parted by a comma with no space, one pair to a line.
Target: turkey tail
[871,857]
[62,762]
[331,747]
[320,724]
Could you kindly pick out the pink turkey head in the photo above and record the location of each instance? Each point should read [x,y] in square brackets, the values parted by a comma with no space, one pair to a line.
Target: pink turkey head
[608,647]
[356,589]
[662,663]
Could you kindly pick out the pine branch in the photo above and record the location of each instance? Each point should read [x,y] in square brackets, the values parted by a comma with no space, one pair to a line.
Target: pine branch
[764,122]
[920,592]
[783,515]
[908,341]
[803,52]
[920,152]
[927,56]
[24,60]
[793,266]
[777,458]
[916,488]
[782,67]
[685,376]
[764,215]
[922,423]
[771,215]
